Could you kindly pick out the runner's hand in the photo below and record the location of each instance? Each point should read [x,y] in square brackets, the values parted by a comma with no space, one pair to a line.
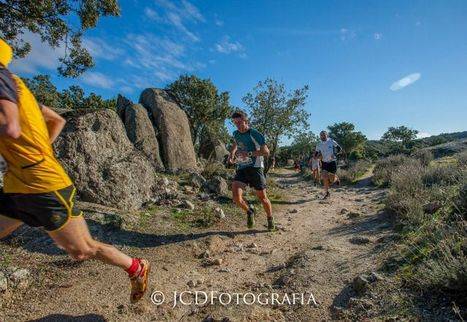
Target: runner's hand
[242,154]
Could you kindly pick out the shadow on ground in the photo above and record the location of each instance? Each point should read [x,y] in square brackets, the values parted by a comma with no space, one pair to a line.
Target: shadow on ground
[37,241]
[368,225]
[63,317]
[289,202]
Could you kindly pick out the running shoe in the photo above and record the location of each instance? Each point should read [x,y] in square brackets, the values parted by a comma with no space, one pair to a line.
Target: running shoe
[271,224]
[250,219]
[139,282]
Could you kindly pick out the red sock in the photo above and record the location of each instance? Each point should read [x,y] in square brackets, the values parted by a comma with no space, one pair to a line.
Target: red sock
[134,267]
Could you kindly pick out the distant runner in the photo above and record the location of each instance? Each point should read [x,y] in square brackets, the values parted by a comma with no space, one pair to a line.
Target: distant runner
[37,191]
[328,149]
[315,164]
[247,152]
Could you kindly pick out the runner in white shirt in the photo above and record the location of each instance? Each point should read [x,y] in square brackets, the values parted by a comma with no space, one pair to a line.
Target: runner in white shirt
[315,164]
[328,149]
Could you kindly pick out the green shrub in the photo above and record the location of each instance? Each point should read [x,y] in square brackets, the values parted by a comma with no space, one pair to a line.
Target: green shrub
[442,175]
[429,203]
[214,168]
[407,194]
[424,156]
[462,158]
[446,267]
[384,168]
[461,203]
[354,171]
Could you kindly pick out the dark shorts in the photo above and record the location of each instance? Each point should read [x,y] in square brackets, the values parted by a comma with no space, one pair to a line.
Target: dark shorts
[50,210]
[330,167]
[253,177]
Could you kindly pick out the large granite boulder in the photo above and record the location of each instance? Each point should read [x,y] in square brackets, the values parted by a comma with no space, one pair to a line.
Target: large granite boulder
[142,134]
[102,162]
[173,128]
[122,104]
[140,130]
[213,149]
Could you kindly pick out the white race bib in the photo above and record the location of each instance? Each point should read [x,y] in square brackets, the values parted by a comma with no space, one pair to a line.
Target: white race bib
[244,160]
[3,165]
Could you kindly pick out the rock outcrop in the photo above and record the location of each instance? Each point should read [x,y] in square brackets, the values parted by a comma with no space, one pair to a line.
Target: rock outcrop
[212,149]
[172,125]
[102,162]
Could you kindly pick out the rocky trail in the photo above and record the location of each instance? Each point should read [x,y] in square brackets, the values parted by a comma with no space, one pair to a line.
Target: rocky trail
[320,248]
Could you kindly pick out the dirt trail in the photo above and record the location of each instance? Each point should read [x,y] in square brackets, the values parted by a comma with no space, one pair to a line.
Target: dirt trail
[319,248]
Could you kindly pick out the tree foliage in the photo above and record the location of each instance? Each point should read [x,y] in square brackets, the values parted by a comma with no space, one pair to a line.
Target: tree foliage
[400,134]
[400,139]
[303,144]
[52,21]
[72,98]
[277,113]
[206,108]
[351,141]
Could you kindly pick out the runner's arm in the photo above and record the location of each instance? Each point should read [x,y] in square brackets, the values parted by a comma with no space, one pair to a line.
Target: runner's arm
[9,119]
[55,122]
[233,150]
[338,147]
[262,152]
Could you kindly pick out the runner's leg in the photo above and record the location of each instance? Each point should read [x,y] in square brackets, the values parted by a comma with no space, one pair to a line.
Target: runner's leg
[325,178]
[262,196]
[8,225]
[75,238]
[237,193]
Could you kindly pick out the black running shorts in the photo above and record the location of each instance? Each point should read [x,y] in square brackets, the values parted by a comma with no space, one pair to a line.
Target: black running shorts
[253,177]
[50,210]
[330,167]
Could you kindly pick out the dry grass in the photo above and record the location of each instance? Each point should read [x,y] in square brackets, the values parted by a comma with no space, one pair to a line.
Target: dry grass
[424,156]
[354,171]
[385,168]
[214,168]
[429,202]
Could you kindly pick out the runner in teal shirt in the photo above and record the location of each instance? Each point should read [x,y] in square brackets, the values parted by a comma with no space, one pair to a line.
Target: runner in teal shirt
[249,141]
[248,152]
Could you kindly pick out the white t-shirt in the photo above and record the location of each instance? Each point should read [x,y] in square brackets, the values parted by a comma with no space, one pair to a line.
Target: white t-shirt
[314,164]
[327,149]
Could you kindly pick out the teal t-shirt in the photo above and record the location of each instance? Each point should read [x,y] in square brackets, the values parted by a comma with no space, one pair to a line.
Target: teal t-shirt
[249,141]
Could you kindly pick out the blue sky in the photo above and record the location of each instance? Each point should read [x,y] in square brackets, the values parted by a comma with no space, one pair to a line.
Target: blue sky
[374,63]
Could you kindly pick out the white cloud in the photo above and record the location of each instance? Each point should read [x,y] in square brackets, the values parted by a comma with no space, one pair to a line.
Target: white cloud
[422,135]
[190,10]
[99,48]
[42,56]
[163,75]
[346,34]
[153,52]
[225,46]
[127,89]
[378,36]
[406,81]
[152,14]
[156,59]
[178,16]
[97,79]
[176,21]
[218,22]
[302,32]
